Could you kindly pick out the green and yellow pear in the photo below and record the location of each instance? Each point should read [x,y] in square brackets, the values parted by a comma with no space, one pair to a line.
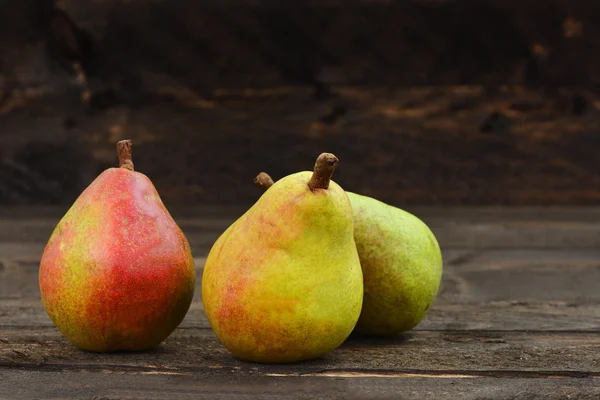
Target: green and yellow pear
[401,262]
[283,283]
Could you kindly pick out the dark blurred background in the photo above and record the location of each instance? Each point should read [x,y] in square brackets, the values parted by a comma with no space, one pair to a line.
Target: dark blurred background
[424,102]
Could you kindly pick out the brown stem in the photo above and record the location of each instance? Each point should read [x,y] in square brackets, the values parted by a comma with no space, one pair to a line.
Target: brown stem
[124,150]
[263,181]
[324,168]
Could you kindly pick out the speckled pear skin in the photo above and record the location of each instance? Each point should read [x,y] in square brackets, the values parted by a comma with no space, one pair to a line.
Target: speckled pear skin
[402,266]
[284,283]
[117,272]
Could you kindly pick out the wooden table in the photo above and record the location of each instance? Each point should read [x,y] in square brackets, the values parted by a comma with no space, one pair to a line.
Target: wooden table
[517,316]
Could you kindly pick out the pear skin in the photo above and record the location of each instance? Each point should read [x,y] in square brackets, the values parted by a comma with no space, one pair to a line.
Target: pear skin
[283,283]
[402,266]
[401,262]
[117,272]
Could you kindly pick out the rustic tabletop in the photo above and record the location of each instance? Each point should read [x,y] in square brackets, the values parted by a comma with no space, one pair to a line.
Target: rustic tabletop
[517,316]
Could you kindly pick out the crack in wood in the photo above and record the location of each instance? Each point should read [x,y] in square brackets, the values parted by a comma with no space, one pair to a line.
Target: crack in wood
[342,373]
[447,374]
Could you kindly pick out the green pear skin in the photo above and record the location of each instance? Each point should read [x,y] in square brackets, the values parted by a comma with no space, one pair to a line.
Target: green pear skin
[402,266]
[283,283]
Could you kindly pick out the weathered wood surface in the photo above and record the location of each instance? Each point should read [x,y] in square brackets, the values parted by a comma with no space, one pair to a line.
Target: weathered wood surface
[436,102]
[518,316]
[404,146]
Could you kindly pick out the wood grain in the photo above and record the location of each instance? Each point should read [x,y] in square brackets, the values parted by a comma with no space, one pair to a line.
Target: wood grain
[516,317]
[60,384]
[399,146]
[455,227]
[477,353]
[496,316]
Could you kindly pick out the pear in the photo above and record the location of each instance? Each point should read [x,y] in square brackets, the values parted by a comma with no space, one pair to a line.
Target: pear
[283,283]
[117,272]
[402,266]
[401,262]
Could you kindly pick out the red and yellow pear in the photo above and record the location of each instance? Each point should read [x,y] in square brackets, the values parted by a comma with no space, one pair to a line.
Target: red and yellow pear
[117,272]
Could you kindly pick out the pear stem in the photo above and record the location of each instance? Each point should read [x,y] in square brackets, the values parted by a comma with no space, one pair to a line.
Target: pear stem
[124,150]
[324,168]
[263,181]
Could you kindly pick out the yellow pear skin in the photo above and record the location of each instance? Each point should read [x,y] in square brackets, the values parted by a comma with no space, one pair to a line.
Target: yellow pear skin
[284,283]
[401,262]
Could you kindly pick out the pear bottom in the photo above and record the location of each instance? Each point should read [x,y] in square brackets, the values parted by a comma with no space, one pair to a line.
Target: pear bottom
[293,348]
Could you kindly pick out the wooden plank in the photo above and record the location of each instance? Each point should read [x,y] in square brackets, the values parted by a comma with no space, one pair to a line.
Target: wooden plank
[478,353]
[21,252]
[509,316]
[539,162]
[60,384]
[165,75]
[520,275]
[515,234]
[496,316]
[455,228]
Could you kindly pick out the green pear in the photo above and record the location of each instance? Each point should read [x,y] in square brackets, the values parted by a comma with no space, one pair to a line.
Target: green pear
[401,262]
[402,266]
[283,283]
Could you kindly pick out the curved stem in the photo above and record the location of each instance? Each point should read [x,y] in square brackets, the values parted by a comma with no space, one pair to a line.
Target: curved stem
[263,181]
[124,150]
[324,168]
